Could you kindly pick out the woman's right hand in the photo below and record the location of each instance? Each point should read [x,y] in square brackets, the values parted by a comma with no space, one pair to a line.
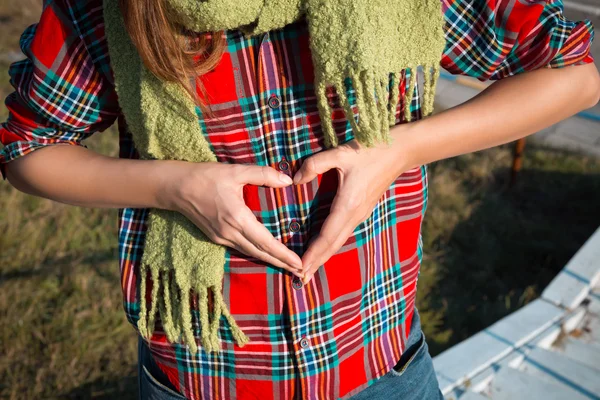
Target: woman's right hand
[210,195]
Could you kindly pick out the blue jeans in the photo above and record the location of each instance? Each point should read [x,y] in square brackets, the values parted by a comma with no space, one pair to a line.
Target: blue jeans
[412,378]
[153,384]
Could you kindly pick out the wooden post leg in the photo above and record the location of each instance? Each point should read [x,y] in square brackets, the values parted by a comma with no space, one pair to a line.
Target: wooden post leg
[517,160]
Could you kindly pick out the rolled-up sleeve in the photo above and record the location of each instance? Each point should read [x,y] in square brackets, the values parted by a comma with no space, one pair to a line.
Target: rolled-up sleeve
[62,90]
[496,39]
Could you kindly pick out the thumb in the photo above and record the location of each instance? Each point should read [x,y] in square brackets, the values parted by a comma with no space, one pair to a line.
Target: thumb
[263,176]
[316,165]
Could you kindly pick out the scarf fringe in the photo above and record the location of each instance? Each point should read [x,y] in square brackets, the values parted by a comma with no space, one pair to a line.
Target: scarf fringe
[377,100]
[181,261]
[171,302]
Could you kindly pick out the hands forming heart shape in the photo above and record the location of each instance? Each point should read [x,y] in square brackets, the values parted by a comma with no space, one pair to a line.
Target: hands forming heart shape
[211,196]
[364,174]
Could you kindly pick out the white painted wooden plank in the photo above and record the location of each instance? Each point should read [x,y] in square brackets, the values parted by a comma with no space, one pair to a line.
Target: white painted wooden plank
[525,323]
[586,8]
[566,325]
[579,351]
[474,355]
[590,331]
[446,383]
[454,94]
[594,306]
[472,396]
[574,319]
[581,273]
[466,359]
[594,317]
[563,371]
[510,384]
[480,383]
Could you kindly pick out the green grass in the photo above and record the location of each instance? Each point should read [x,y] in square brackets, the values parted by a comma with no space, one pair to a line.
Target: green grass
[15,16]
[63,332]
[489,249]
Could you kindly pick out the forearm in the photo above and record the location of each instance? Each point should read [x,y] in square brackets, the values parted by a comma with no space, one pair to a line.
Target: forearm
[78,176]
[507,110]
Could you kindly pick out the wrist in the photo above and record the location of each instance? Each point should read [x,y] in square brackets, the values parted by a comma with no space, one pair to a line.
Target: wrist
[406,156]
[171,177]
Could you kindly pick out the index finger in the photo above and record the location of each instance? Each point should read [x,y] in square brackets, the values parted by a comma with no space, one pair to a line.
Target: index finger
[257,234]
[263,176]
[335,231]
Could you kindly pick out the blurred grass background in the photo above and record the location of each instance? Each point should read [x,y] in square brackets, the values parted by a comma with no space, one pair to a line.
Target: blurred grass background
[489,249]
[63,332]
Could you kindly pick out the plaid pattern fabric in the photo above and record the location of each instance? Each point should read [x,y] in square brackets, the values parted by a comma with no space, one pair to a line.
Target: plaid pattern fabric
[337,335]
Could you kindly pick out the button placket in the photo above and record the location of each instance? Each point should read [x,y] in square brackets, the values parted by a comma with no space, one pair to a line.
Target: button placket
[297,283]
[283,165]
[283,159]
[304,342]
[274,102]
[294,226]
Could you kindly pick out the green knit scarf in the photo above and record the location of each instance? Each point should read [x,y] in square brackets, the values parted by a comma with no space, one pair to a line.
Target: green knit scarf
[360,44]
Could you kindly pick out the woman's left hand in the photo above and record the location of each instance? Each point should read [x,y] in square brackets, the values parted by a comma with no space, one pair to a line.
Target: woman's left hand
[364,175]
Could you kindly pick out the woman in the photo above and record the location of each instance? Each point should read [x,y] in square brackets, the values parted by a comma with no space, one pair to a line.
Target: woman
[322,242]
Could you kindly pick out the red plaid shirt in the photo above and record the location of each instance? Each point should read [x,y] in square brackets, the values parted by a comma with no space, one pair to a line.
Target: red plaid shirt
[335,336]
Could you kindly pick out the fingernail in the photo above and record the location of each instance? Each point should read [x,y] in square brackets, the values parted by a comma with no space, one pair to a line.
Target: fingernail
[298,274]
[297,177]
[307,278]
[285,179]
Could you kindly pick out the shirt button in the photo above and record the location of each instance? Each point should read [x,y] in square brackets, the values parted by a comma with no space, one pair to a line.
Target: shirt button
[294,226]
[297,283]
[284,165]
[304,343]
[274,102]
